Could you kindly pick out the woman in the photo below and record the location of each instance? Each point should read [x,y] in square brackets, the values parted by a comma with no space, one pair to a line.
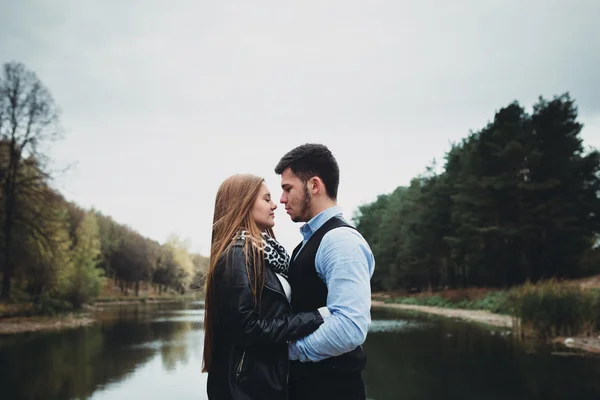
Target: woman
[248,317]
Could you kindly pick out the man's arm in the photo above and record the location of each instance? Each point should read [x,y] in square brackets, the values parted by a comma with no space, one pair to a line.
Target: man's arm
[345,262]
[241,317]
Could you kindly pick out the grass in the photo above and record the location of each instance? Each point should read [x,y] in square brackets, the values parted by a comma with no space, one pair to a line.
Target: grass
[22,304]
[469,299]
[546,309]
[8,310]
[553,308]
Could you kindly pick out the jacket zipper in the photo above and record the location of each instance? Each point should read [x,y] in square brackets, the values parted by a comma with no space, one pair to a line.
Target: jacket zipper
[239,368]
[280,292]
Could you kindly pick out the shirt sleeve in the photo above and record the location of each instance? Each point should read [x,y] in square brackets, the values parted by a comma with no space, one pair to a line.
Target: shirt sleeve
[345,262]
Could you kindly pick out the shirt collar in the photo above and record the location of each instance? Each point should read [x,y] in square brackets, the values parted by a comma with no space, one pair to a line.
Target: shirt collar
[318,220]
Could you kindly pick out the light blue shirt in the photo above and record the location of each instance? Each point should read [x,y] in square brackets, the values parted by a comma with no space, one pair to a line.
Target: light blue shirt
[345,263]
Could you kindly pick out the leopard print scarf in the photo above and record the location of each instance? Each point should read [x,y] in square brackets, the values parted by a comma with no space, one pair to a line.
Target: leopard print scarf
[276,257]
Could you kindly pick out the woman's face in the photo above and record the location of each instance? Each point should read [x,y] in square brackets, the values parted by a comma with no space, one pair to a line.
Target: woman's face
[263,209]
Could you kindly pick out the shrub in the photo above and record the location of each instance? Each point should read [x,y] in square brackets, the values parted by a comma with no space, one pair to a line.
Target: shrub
[555,309]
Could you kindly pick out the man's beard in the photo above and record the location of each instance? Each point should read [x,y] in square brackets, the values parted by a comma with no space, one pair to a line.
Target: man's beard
[303,215]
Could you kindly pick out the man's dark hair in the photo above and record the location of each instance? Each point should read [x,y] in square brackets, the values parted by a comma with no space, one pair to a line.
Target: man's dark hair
[310,160]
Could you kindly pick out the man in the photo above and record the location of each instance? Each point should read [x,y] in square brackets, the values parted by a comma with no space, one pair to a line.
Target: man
[332,267]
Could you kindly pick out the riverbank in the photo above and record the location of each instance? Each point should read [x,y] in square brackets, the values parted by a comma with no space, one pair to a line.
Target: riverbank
[588,344]
[14,325]
[13,322]
[121,301]
[480,316]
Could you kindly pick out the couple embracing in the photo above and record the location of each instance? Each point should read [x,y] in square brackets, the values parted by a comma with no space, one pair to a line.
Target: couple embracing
[281,327]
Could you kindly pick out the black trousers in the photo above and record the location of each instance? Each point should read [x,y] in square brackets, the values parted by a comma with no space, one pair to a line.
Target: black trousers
[305,385]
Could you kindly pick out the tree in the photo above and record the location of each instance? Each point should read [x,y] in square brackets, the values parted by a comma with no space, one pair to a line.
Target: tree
[567,205]
[82,281]
[177,268]
[133,259]
[518,200]
[200,270]
[182,261]
[43,254]
[28,118]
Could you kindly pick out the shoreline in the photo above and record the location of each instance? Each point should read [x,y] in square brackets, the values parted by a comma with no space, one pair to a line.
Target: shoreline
[22,324]
[15,325]
[134,301]
[587,344]
[481,316]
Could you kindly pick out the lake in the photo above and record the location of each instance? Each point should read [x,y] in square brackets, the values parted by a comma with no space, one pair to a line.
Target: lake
[154,351]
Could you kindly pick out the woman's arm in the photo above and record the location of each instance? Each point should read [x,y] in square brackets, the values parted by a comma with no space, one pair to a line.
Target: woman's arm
[239,315]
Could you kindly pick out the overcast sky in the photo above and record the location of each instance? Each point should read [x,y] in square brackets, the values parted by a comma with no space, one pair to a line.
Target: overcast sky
[162,100]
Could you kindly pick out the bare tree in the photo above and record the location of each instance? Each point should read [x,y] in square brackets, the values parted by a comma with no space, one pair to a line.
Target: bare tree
[28,119]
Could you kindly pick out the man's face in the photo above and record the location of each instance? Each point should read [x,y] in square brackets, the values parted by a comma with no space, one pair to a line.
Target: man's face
[295,197]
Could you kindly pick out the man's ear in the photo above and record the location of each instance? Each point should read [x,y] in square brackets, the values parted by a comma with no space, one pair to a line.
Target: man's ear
[315,185]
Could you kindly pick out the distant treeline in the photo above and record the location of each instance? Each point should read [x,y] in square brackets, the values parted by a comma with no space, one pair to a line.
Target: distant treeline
[51,248]
[517,201]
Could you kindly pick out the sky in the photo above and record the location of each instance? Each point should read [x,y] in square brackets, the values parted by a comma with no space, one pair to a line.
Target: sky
[162,100]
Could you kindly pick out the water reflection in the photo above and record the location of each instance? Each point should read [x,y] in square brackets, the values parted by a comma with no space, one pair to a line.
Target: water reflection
[452,360]
[98,359]
[155,352]
[394,325]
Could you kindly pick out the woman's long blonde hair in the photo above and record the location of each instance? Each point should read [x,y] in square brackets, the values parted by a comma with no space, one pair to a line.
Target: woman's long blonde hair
[233,212]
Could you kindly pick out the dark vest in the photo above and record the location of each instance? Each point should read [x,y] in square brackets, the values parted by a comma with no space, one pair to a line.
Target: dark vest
[309,292]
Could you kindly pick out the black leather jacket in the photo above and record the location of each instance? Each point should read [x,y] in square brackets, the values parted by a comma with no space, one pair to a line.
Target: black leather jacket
[250,350]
